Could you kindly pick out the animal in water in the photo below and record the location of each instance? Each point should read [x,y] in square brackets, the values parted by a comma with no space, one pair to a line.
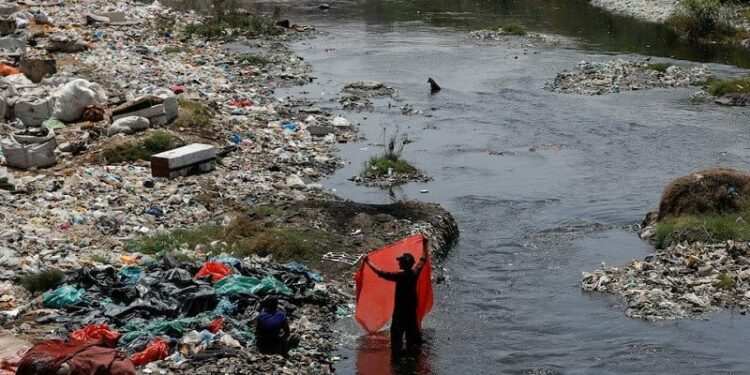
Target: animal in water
[433,86]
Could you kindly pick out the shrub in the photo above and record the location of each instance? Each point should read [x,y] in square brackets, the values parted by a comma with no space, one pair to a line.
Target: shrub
[699,19]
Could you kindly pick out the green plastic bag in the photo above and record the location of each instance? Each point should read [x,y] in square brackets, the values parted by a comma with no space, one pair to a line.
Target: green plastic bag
[271,285]
[130,275]
[235,284]
[63,296]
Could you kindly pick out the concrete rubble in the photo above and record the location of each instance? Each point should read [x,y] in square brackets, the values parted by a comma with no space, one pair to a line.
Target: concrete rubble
[599,78]
[103,78]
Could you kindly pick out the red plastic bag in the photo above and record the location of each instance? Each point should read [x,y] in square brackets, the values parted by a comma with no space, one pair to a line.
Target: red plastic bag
[46,358]
[156,350]
[8,70]
[95,333]
[216,325]
[216,270]
[375,295]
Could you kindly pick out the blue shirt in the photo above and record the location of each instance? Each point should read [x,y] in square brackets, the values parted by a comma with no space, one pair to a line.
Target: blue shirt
[269,327]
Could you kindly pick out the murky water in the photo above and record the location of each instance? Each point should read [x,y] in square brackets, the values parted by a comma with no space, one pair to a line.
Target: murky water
[543,185]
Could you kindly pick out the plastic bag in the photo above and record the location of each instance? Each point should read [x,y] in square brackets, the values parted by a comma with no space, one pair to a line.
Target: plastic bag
[225,307]
[301,268]
[94,333]
[72,98]
[235,284]
[375,296]
[63,296]
[128,125]
[271,285]
[130,274]
[155,351]
[215,325]
[216,270]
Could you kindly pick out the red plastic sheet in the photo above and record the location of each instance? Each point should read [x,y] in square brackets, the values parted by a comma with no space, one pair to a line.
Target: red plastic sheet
[375,295]
[95,333]
[155,350]
[216,270]
[46,358]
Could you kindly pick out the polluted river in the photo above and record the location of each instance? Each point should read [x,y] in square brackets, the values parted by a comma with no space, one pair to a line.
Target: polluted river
[543,185]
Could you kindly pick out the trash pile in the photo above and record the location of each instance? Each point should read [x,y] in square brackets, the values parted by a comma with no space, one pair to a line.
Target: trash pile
[681,281]
[170,311]
[598,78]
[357,96]
[530,39]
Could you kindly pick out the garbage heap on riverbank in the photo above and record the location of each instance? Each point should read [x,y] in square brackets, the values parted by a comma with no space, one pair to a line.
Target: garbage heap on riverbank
[702,257]
[598,78]
[195,313]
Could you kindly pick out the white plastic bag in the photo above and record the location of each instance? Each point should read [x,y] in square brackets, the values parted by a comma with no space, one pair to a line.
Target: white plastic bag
[73,97]
[128,125]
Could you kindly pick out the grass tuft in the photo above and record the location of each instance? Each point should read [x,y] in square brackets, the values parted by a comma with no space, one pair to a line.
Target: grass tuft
[42,281]
[725,281]
[701,229]
[722,87]
[193,114]
[514,29]
[133,151]
[659,67]
[378,166]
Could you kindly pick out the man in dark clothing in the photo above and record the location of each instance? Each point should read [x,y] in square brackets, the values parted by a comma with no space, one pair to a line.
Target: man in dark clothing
[404,320]
[272,334]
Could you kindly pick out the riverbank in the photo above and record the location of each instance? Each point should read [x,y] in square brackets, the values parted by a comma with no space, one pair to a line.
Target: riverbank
[647,10]
[99,208]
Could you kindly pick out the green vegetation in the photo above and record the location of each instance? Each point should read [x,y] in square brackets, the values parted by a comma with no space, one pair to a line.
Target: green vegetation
[42,281]
[702,229]
[510,28]
[378,166]
[720,87]
[226,17]
[725,281]
[254,60]
[702,19]
[659,67]
[99,259]
[193,114]
[133,151]
[515,29]
[241,237]
[170,50]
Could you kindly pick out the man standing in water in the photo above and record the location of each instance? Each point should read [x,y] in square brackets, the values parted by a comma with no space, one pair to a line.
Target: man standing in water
[404,320]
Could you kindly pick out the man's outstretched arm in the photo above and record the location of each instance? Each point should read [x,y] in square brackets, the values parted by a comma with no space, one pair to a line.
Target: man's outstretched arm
[390,276]
[422,260]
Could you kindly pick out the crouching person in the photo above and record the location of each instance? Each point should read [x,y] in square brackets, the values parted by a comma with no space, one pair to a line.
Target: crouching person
[272,334]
